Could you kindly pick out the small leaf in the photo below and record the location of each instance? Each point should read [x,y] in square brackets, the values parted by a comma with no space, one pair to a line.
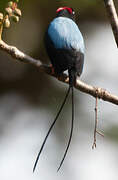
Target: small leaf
[15,18]
[10,3]
[17,12]
[7,23]
[16,1]
[9,10]
[1,16]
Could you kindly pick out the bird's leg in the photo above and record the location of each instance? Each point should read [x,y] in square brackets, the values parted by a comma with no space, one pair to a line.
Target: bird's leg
[58,75]
[52,69]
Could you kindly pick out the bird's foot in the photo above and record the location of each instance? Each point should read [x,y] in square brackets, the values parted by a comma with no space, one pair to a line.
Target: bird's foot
[52,69]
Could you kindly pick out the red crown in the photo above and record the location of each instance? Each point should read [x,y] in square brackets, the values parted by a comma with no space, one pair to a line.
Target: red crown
[63,8]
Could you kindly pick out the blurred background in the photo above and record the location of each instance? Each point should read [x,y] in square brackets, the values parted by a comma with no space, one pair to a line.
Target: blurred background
[29,99]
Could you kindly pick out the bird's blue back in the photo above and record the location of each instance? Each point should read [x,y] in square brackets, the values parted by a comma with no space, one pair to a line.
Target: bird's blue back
[65,34]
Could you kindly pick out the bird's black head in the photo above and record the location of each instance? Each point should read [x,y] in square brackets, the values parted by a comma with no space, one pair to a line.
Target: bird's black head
[66,12]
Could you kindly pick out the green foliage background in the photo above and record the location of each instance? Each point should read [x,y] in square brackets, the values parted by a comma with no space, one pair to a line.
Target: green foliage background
[89,7]
[3,4]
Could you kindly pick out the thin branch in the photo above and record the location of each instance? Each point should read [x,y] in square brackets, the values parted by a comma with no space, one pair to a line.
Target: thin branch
[1,28]
[96,121]
[17,54]
[113,18]
[101,93]
[96,124]
[88,89]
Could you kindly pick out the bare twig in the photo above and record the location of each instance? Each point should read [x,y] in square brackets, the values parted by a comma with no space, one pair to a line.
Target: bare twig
[1,28]
[113,18]
[100,133]
[88,89]
[17,54]
[96,121]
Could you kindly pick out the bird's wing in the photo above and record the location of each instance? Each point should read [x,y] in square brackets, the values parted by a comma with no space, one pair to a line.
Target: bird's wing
[65,34]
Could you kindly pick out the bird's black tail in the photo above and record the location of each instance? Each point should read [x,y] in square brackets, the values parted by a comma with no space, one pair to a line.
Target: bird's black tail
[51,128]
[72,79]
[70,132]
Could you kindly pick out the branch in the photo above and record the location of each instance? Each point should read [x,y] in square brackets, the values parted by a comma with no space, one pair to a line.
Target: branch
[88,89]
[113,18]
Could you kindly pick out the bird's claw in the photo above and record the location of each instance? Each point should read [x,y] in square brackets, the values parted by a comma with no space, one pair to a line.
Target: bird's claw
[52,69]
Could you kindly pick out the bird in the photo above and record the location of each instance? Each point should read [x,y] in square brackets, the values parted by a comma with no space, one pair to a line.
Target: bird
[65,47]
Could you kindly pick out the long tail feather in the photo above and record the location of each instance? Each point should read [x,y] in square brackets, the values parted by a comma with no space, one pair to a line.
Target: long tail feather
[51,129]
[70,132]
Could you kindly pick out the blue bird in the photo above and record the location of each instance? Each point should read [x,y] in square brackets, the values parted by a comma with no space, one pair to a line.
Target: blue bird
[65,47]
